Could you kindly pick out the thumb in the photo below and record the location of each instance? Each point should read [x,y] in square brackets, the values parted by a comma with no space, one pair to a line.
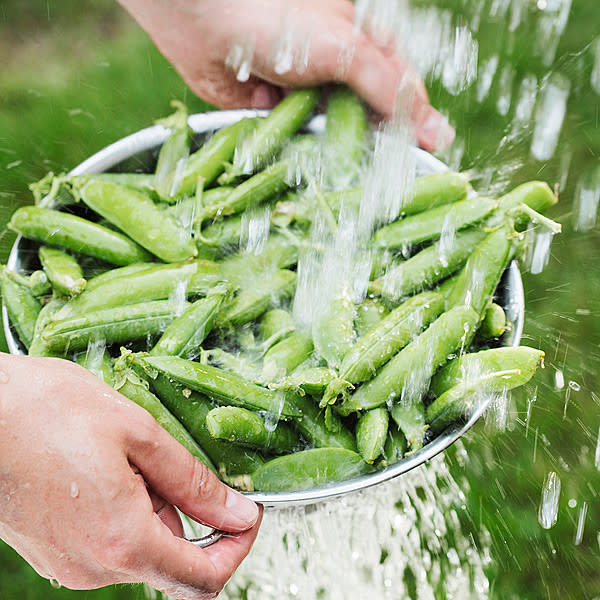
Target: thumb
[175,475]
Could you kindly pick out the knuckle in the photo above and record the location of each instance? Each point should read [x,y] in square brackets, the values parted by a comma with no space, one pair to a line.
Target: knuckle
[118,554]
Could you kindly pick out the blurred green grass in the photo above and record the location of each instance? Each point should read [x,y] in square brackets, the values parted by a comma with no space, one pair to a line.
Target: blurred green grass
[77,79]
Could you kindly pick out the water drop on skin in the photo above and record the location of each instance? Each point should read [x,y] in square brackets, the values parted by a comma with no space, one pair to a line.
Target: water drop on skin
[54,583]
[3,377]
[74,491]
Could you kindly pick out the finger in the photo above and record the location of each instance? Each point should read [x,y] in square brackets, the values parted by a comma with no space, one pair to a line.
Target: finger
[167,513]
[175,475]
[182,570]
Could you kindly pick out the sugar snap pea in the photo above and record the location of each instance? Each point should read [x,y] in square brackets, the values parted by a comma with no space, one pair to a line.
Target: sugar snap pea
[272,132]
[371,433]
[368,313]
[37,346]
[62,270]
[245,427]
[185,333]
[111,274]
[76,234]
[406,376]
[467,381]
[222,386]
[112,325]
[494,322]
[98,361]
[190,408]
[409,416]
[287,354]
[275,325]
[134,388]
[437,189]
[308,380]
[394,447]
[430,224]
[22,306]
[135,214]
[308,469]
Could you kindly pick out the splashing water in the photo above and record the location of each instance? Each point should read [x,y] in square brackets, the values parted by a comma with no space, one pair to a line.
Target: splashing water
[548,510]
[240,57]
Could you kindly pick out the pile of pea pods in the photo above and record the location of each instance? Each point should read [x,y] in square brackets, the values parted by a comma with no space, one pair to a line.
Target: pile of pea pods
[141,278]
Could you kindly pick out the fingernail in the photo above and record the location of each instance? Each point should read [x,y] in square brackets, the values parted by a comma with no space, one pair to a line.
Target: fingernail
[240,507]
[435,132]
[264,96]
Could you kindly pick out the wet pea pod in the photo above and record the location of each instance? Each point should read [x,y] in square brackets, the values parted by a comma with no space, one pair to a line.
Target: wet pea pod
[467,382]
[22,307]
[287,354]
[368,313]
[430,225]
[137,215]
[271,133]
[76,234]
[333,328]
[275,325]
[222,386]
[395,446]
[130,385]
[62,270]
[149,283]
[409,416]
[307,380]
[251,302]
[257,189]
[406,376]
[345,140]
[121,324]
[37,282]
[173,154]
[371,433]
[190,408]
[185,210]
[118,273]
[184,336]
[476,283]
[427,267]
[431,191]
[98,361]
[384,341]
[245,427]
[308,469]
[209,161]
[236,362]
[37,346]
[494,323]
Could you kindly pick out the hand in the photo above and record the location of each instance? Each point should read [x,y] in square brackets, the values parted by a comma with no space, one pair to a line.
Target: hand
[89,482]
[197,37]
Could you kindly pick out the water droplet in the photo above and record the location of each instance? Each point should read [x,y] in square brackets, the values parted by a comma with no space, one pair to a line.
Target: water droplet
[548,510]
[559,380]
[580,524]
[4,377]
[572,503]
[574,386]
[54,583]
[74,490]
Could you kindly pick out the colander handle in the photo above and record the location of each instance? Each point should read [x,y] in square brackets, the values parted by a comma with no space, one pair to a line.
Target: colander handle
[208,540]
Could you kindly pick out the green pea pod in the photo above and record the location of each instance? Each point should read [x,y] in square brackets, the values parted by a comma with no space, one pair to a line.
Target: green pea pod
[98,361]
[410,418]
[76,234]
[222,386]
[368,313]
[333,328]
[437,189]
[244,269]
[272,132]
[251,303]
[185,334]
[173,154]
[185,210]
[371,433]
[38,347]
[111,325]
[131,386]
[469,379]
[257,189]
[22,306]
[275,325]
[427,267]
[345,138]
[62,270]
[308,380]
[244,427]
[479,278]
[494,322]
[119,273]
[313,427]
[286,355]
[395,446]
[207,163]
[236,363]
[406,376]
[144,182]
[156,282]
[135,214]
[385,340]
[190,408]
[308,469]
[39,283]
[430,224]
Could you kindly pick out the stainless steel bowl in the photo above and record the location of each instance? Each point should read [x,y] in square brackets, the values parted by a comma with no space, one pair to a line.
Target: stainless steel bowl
[137,150]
